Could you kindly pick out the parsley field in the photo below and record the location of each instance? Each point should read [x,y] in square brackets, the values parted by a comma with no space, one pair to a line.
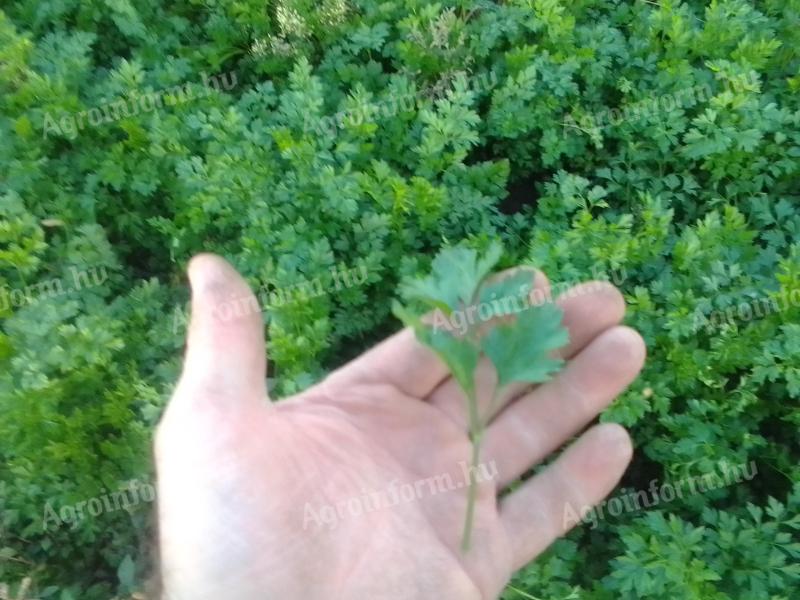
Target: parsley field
[339,145]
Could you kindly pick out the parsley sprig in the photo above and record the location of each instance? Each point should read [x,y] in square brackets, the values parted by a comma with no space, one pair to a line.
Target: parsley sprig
[517,336]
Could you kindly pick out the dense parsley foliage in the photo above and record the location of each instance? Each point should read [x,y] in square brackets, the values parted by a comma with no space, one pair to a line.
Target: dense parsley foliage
[688,189]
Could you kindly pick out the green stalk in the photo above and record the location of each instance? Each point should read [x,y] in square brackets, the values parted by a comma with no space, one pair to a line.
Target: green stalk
[472,495]
[476,427]
[521,593]
[476,434]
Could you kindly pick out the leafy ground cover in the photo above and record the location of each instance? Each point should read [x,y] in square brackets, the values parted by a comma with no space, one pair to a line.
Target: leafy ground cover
[659,141]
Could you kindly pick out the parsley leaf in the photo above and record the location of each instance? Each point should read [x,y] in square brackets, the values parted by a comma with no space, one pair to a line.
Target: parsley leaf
[455,277]
[520,351]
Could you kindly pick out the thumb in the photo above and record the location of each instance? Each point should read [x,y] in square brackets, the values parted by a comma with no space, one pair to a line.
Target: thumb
[225,358]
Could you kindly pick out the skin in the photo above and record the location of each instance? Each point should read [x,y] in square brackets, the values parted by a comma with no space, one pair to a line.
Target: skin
[236,472]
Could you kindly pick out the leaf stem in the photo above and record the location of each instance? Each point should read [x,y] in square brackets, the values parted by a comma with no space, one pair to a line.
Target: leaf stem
[466,536]
[521,593]
[475,435]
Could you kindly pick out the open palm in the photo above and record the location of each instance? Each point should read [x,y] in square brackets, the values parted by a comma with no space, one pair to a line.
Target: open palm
[356,488]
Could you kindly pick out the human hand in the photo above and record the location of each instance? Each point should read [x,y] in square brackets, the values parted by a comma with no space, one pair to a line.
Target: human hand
[243,483]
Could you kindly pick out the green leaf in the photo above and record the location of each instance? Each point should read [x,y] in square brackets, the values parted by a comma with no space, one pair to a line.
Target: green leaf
[456,275]
[520,350]
[459,354]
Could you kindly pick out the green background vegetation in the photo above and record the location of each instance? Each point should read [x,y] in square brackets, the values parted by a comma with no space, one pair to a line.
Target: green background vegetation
[696,202]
